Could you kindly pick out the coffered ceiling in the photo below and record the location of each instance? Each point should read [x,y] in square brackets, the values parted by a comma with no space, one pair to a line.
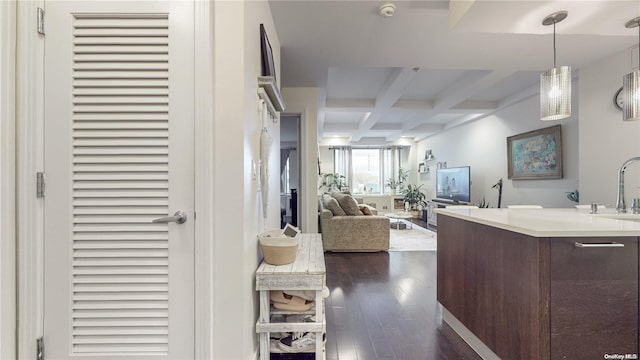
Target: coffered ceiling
[434,64]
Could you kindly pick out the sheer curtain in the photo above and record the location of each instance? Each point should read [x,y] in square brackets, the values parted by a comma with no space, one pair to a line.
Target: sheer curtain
[392,157]
[342,162]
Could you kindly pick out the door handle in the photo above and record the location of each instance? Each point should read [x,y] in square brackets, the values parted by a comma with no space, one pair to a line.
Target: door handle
[179,217]
[598,245]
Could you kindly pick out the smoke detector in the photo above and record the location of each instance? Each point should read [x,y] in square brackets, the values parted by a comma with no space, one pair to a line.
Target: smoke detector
[387,10]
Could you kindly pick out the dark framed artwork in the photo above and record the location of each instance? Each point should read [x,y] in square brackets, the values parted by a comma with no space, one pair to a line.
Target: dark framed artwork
[535,154]
[268,67]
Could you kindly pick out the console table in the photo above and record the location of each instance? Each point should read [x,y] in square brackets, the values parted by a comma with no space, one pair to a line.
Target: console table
[308,272]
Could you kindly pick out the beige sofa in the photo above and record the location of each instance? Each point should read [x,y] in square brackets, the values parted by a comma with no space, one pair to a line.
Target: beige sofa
[353,233]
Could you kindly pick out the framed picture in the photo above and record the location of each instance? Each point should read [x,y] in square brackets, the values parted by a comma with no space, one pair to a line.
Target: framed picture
[268,67]
[422,168]
[535,154]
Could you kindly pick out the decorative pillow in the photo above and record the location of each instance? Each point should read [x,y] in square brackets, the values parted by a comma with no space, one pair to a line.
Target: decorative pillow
[366,209]
[335,192]
[331,204]
[348,204]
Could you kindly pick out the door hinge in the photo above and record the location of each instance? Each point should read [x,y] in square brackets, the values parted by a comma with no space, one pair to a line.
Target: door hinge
[40,185]
[40,348]
[40,21]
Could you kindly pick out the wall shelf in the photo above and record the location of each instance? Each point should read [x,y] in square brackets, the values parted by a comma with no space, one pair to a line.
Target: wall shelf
[268,83]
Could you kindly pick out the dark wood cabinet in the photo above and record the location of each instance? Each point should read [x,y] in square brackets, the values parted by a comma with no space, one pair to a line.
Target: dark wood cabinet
[594,298]
[539,298]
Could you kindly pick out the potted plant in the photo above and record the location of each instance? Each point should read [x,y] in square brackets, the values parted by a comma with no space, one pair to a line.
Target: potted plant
[332,181]
[415,197]
[394,184]
[402,177]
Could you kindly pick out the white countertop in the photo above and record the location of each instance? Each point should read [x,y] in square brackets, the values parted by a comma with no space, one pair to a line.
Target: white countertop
[552,222]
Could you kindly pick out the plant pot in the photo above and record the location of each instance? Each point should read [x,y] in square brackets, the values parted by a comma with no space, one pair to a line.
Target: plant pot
[393,192]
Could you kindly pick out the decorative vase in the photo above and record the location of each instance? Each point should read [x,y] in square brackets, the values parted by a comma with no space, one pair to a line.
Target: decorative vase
[393,192]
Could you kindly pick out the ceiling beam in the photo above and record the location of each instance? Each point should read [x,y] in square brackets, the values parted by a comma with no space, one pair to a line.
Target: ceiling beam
[476,105]
[350,105]
[388,95]
[469,85]
[414,104]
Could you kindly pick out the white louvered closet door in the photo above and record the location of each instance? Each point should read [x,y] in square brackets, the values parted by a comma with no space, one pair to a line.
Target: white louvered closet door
[118,154]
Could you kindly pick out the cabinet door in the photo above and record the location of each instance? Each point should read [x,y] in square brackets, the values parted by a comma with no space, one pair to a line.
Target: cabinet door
[594,298]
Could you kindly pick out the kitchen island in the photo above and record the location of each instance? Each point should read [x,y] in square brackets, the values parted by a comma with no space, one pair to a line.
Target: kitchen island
[540,283]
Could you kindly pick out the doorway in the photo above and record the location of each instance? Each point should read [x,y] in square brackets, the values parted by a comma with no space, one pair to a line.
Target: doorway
[290,174]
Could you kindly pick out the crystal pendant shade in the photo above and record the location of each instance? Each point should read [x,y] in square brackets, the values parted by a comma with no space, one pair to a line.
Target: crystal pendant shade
[555,93]
[631,96]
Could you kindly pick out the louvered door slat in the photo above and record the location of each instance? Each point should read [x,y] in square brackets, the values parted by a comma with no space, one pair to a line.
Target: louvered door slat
[123,150]
[121,32]
[116,288]
[149,158]
[127,91]
[122,49]
[124,236]
[88,210]
[135,270]
[124,349]
[131,295]
[116,279]
[121,331]
[120,275]
[124,84]
[115,219]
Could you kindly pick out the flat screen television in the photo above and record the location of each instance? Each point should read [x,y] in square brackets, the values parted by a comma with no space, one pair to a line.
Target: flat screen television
[454,184]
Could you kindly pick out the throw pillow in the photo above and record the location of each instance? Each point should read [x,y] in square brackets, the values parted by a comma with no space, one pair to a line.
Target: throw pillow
[331,204]
[366,209]
[336,192]
[348,204]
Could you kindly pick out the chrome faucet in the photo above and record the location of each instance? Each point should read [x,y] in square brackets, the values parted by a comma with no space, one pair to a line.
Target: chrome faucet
[621,206]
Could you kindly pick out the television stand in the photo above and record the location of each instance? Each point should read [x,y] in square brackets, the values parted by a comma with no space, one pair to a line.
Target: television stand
[432,217]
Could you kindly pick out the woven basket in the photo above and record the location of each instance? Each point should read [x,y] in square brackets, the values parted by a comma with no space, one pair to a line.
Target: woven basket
[277,248]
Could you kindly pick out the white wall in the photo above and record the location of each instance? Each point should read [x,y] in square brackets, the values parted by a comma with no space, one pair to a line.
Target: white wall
[304,101]
[238,212]
[483,146]
[7,180]
[326,159]
[605,140]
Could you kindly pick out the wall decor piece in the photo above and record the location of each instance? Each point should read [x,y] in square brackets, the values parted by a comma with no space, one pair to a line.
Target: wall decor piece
[268,67]
[428,155]
[535,154]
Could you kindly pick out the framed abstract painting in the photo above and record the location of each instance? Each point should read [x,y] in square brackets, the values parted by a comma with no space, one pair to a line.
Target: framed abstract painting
[535,154]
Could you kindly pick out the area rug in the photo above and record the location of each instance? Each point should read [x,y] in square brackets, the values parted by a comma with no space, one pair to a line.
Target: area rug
[416,239]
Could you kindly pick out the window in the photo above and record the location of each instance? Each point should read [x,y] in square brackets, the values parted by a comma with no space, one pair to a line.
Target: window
[365,170]
[368,169]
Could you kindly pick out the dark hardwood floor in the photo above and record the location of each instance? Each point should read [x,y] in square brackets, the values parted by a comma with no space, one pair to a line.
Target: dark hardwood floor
[383,306]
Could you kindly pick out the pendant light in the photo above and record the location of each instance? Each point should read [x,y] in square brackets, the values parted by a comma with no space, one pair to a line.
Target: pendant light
[555,83]
[631,83]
